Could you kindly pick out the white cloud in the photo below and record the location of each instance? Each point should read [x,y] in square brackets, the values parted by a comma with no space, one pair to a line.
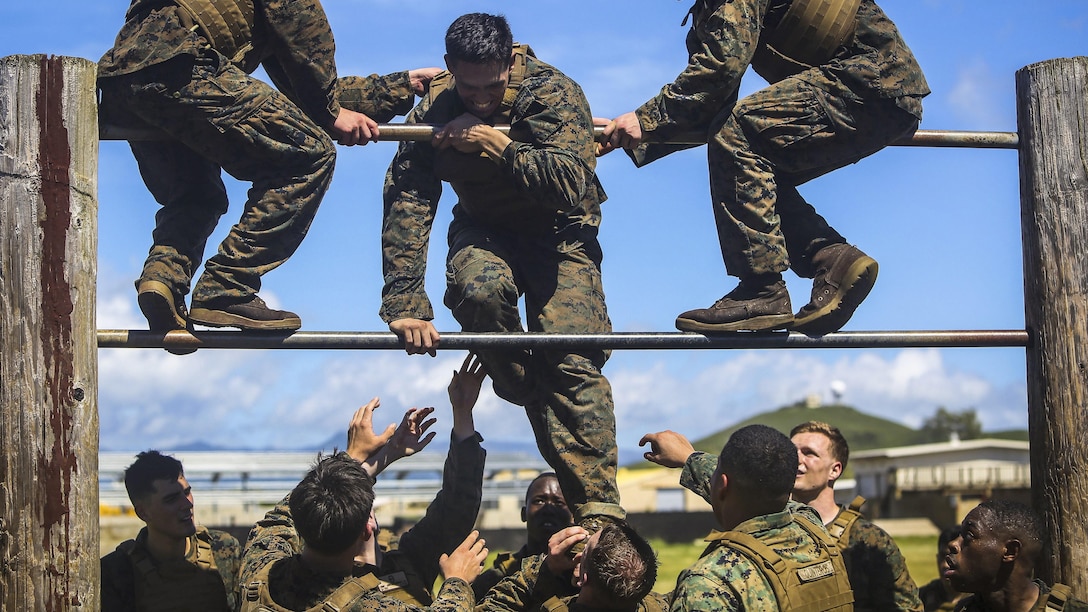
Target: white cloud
[979,98]
[905,386]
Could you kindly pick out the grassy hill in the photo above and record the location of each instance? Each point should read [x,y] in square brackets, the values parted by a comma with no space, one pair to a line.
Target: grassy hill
[862,431]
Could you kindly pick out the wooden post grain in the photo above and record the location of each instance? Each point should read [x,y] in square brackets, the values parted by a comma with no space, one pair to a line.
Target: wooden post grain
[48,350]
[1052,113]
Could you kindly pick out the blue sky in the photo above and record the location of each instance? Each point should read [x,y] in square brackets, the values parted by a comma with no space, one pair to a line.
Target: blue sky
[943,223]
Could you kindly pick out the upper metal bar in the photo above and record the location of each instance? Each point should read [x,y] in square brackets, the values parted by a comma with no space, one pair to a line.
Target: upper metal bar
[423,131]
[621,340]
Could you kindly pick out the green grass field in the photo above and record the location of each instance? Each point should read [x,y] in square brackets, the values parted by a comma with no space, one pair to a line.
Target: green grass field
[919,551]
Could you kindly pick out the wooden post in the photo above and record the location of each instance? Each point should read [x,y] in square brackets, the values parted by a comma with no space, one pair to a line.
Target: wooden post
[1052,112]
[48,349]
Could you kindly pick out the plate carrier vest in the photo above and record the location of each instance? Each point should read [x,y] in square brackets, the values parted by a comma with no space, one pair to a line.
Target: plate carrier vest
[816,586]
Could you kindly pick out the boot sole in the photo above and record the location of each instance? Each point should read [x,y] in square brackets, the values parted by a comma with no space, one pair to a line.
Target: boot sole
[754,324]
[857,283]
[219,318]
[157,304]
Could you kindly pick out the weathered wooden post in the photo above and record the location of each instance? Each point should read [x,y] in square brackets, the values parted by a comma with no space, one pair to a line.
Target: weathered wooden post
[1052,111]
[48,347]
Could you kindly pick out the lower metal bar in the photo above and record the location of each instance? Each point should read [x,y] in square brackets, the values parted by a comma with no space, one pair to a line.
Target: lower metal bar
[461,341]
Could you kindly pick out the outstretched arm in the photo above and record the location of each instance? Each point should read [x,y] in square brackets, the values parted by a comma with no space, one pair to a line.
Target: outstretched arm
[464,390]
[667,448]
[363,441]
[410,437]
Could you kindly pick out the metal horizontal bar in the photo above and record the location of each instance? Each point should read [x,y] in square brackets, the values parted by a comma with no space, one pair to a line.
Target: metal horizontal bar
[423,131]
[621,340]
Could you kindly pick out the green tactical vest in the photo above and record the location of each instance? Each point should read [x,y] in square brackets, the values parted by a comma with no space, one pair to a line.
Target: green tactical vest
[816,586]
[203,589]
[808,35]
[482,186]
[840,527]
[256,598]
[227,24]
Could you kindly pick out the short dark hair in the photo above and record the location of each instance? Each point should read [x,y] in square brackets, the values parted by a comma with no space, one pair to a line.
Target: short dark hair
[624,564]
[840,450]
[539,477]
[1015,520]
[760,460]
[332,504]
[150,465]
[480,38]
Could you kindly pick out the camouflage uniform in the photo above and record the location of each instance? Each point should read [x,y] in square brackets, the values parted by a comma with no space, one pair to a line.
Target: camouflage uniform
[936,597]
[216,117]
[533,587]
[878,570]
[293,585]
[412,566]
[525,225]
[723,579]
[505,564]
[184,584]
[973,603]
[762,147]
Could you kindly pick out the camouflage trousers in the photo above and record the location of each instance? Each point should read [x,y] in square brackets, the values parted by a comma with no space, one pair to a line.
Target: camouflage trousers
[774,140]
[215,117]
[566,397]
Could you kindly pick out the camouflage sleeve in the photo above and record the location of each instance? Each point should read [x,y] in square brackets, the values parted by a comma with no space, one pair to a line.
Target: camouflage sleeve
[304,54]
[878,571]
[698,470]
[720,48]
[554,166]
[697,589]
[455,594]
[527,588]
[228,560]
[379,97]
[271,539]
[411,195]
[452,514]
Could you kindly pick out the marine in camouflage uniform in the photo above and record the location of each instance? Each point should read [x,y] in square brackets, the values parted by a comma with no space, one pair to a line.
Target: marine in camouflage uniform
[295,586]
[525,224]
[762,147]
[206,578]
[163,72]
[545,512]
[724,579]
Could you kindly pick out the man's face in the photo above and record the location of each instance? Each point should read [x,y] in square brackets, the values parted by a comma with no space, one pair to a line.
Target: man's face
[816,467]
[480,86]
[581,570]
[975,558]
[545,510]
[168,510]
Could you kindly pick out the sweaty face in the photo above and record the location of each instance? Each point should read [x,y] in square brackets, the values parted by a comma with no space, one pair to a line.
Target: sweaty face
[816,467]
[546,509]
[169,509]
[974,558]
[481,86]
